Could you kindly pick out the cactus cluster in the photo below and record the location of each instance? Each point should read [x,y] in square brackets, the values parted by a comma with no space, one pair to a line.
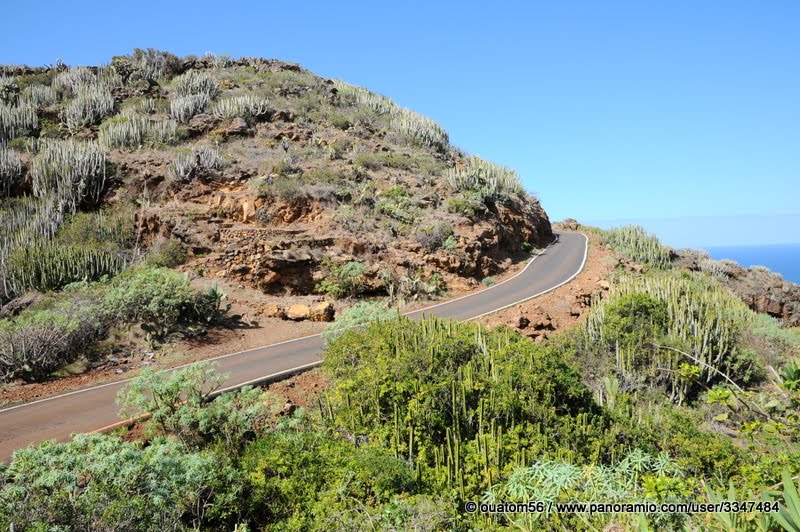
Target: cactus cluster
[195,82]
[134,130]
[703,318]
[16,121]
[638,245]
[50,265]
[39,96]
[246,106]
[405,122]
[191,93]
[489,180]
[199,161]
[90,105]
[10,171]
[183,108]
[71,171]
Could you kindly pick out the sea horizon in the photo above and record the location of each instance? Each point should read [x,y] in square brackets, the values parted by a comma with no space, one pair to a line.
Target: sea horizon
[783,259]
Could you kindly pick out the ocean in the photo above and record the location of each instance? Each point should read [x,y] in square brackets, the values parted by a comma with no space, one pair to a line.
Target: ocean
[783,259]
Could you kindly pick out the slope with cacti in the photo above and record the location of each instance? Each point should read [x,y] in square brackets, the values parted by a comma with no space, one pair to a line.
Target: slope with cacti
[266,173]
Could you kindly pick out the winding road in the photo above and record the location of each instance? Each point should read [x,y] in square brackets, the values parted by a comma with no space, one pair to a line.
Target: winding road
[94,408]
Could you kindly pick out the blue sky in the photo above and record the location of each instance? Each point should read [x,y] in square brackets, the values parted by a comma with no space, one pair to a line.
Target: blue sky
[611,111]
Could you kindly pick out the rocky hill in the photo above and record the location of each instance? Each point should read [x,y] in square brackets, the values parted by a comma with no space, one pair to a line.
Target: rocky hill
[250,169]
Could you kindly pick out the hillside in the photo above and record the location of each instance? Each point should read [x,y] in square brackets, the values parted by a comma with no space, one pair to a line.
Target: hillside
[264,172]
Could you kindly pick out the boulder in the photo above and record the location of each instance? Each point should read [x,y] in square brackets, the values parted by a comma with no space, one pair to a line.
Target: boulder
[523,322]
[323,312]
[248,211]
[274,311]
[298,312]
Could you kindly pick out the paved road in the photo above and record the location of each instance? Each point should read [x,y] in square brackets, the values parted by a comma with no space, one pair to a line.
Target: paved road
[93,408]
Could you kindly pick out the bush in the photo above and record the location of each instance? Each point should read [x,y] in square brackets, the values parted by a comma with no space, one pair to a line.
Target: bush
[315,481]
[702,319]
[145,66]
[435,236]
[198,163]
[360,314]
[161,300]
[99,482]
[469,204]
[463,403]
[183,108]
[123,132]
[637,245]
[180,404]
[342,280]
[37,342]
[39,96]
[193,83]
[168,255]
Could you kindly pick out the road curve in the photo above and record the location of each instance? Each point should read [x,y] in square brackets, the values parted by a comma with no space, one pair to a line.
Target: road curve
[90,409]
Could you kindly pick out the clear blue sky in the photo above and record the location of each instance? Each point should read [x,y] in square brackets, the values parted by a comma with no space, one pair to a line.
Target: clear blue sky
[609,110]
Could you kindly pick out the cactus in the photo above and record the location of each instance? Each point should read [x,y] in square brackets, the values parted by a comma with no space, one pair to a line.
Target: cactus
[10,171]
[16,121]
[638,245]
[199,161]
[71,171]
[193,83]
[39,96]
[90,104]
[184,108]
[489,180]
[247,106]
[123,132]
[408,123]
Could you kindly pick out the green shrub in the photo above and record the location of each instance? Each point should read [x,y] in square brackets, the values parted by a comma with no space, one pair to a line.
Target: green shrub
[469,204]
[342,280]
[360,314]
[313,480]
[168,255]
[180,405]
[463,403]
[161,300]
[702,319]
[99,482]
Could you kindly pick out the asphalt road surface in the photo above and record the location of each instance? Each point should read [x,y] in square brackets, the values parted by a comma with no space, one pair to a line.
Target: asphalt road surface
[94,408]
